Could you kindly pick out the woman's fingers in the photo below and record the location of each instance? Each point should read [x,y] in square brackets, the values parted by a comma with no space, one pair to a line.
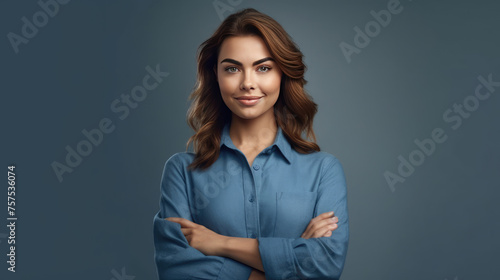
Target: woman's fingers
[323,223]
[321,226]
[185,223]
[324,231]
[188,234]
[319,218]
[186,231]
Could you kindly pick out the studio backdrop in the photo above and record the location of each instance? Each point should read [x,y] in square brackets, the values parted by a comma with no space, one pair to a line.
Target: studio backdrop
[94,101]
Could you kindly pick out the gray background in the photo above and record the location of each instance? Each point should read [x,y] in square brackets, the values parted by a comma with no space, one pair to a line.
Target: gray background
[440,223]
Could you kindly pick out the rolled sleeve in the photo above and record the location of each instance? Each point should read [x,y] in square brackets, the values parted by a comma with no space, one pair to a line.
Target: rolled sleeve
[314,258]
[174,257]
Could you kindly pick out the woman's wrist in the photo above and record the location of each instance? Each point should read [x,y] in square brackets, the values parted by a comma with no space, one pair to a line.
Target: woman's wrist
[226,247]
[244,250]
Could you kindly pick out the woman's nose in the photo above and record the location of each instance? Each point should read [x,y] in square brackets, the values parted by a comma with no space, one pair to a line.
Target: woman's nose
[247,83]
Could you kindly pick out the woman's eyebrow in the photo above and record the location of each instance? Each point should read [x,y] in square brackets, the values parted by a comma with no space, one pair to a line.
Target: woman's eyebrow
[230,60]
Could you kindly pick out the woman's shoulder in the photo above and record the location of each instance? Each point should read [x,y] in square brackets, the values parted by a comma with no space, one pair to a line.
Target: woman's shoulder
[329,163]
[323,164]
[325,158]
[180,159]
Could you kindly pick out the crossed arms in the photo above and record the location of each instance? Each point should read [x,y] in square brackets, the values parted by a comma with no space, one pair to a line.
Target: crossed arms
[184,249]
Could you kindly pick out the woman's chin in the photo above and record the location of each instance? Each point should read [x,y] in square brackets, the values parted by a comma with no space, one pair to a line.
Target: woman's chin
[247,115]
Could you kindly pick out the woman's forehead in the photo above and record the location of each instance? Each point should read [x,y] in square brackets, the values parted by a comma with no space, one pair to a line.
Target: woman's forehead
[245,49]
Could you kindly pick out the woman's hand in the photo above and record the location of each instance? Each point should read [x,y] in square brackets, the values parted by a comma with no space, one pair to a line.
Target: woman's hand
[200,237]
[244,250]
[321,226]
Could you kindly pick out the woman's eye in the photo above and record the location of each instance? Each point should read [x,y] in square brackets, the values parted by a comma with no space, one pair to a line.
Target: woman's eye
[264,68]
[232,69]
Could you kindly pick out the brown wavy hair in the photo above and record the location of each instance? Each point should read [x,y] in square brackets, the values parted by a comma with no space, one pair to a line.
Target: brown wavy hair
[294,110]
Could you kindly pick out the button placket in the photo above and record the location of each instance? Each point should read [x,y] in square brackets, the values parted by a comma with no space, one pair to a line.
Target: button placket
[251,202]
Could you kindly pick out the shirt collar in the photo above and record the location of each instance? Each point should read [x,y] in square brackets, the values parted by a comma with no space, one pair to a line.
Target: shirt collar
[280,142]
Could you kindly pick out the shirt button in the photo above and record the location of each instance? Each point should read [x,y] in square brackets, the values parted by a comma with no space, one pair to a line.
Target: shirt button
[256,167]
[250,199]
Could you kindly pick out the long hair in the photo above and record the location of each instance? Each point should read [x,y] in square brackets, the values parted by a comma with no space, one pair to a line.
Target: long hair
[294,110]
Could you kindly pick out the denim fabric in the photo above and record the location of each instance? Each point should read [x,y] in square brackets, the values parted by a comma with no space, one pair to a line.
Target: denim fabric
[272,201]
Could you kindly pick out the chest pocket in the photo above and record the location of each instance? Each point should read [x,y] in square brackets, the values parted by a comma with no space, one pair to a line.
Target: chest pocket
[294,211]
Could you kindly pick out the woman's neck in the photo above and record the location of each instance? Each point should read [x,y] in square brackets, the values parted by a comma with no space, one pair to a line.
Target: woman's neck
[254,133]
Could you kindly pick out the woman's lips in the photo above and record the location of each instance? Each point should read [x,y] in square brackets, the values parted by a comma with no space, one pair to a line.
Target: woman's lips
[249,101]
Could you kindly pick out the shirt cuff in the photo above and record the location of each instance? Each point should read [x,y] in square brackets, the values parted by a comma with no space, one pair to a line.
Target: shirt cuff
[277,257]
[232,269]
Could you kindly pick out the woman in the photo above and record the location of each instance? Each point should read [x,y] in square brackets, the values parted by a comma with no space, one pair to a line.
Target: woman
[255,200]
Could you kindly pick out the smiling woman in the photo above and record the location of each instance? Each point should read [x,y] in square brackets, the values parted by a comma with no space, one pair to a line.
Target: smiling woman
[231,83]
[255,200]
[249,81]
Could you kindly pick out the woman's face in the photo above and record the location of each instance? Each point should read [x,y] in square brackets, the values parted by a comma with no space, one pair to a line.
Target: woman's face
[249,79]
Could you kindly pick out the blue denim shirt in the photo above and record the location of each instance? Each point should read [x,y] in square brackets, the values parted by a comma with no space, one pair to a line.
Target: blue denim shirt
[272,201]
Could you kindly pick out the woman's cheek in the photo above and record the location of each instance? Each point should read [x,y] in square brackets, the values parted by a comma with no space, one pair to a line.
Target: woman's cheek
[223,85]
[271,85]
[228,84]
